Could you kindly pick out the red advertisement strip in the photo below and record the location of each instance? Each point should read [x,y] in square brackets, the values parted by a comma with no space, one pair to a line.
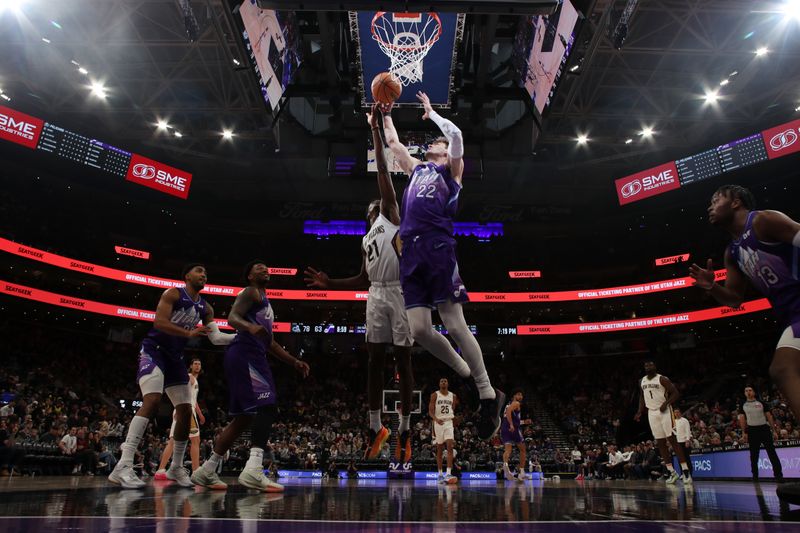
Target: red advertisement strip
[139,254]
[643,323]
[158,176]
[516,274]
[647,183]
[782,140]
[19,128]
[280,294]
[89,306]
[671,260]
[278,271]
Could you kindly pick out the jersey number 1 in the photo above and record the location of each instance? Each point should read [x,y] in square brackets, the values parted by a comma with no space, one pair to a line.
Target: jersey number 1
[372,251]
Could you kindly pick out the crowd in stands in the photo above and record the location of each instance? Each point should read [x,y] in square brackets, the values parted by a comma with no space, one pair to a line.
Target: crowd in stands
[61,392]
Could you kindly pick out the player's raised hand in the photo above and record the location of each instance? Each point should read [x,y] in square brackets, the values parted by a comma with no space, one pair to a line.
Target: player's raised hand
[373,116]
[316,278]
[385,109]
[703,277]
[302,367]
[426,104]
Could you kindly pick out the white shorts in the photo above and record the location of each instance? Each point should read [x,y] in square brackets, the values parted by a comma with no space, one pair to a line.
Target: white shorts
[788,340]
[443,433]
[387,322]
[661,424]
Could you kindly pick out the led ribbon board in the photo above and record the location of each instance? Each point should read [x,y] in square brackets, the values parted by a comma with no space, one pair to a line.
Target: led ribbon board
[285,294]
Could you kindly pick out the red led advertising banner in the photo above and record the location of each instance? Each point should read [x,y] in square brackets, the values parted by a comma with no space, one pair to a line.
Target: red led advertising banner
[139,254]
[277,271]
[159,176]
[782,140]
[671,260]
[19,128]
[517,274]
[643,323]
[647,183]
[100,308]
[89,306]
[282,294]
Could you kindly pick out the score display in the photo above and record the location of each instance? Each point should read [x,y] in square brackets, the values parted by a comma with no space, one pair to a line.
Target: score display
[83,150]
[698,167]
[742,153]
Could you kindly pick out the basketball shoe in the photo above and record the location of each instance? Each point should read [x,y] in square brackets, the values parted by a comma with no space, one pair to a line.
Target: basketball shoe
[376,442]
[490,411]
[403,449]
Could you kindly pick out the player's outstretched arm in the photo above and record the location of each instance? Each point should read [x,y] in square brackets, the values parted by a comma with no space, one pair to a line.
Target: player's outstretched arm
[214,334]
[389,207]
[451,132]
[732,293]
[774,226]
[401,155]
[316,279]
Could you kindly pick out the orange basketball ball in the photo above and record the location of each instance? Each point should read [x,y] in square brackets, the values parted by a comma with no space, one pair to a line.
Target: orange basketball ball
[386,88]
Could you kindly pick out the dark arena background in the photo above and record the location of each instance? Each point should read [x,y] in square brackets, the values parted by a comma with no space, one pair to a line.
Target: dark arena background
[140,136]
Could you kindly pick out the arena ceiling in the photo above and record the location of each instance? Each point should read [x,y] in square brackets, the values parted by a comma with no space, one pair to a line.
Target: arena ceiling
[676,53]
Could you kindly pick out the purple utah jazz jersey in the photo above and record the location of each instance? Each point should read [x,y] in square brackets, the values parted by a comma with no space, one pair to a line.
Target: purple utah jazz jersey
[186,313]
[772,269]
[429,201]
[259,313]
[514,416]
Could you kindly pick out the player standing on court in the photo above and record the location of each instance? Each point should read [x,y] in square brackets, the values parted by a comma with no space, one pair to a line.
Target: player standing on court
[428,267]
[161,369]
[766,251]
[387,322]
[442,411]
[658,394]
[250,384]
[511,434]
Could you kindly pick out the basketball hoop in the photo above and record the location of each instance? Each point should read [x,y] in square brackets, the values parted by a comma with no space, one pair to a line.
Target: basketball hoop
[406,38]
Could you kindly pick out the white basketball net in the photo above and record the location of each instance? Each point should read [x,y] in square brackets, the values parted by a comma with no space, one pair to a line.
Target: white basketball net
[406,38]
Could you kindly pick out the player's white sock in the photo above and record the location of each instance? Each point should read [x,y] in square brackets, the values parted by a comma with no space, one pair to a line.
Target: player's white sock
[685,468]
[178,451]
[453,319]
[440,471]
[405,424]
[256,459]
[212,463]
[133,438]
[671,468]
[448,470]
[375,420]
[419,319]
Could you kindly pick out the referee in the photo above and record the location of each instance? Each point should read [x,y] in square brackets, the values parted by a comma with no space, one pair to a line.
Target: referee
[758,423]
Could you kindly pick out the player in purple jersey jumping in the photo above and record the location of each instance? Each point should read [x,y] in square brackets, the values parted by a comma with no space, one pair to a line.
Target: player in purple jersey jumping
[766,251]
[161,369]
[252,393]
[428,267]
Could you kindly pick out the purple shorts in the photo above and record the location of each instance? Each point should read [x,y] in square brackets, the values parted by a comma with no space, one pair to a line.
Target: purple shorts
[172,366]
[429,272]
[510,437]
[250,382]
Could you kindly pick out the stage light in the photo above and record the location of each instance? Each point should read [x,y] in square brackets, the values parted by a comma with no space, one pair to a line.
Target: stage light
[628,141]
[45,40]
[797,108]
[12,5]
[227,135]
[5,97]
[178,134]
[573,68]
[83,71]
[762,51]
[162,124]
[724,82]
[791,9]
[236,62]
[711,96]
[98,89]
[583,139]
[647,132]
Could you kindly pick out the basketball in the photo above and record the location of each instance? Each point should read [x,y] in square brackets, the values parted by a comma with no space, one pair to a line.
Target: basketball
[386,88]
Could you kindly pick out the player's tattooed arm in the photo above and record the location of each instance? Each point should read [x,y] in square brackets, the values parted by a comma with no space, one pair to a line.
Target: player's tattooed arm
[162,321]
[774,226]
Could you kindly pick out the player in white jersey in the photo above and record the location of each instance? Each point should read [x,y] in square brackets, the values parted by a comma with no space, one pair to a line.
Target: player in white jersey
[197,419]
[387,322]
[442,411]
[657,394]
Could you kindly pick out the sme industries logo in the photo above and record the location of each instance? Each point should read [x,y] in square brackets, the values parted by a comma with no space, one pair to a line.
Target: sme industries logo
[782,140]
[159,176]
[647,183]
[20,128]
